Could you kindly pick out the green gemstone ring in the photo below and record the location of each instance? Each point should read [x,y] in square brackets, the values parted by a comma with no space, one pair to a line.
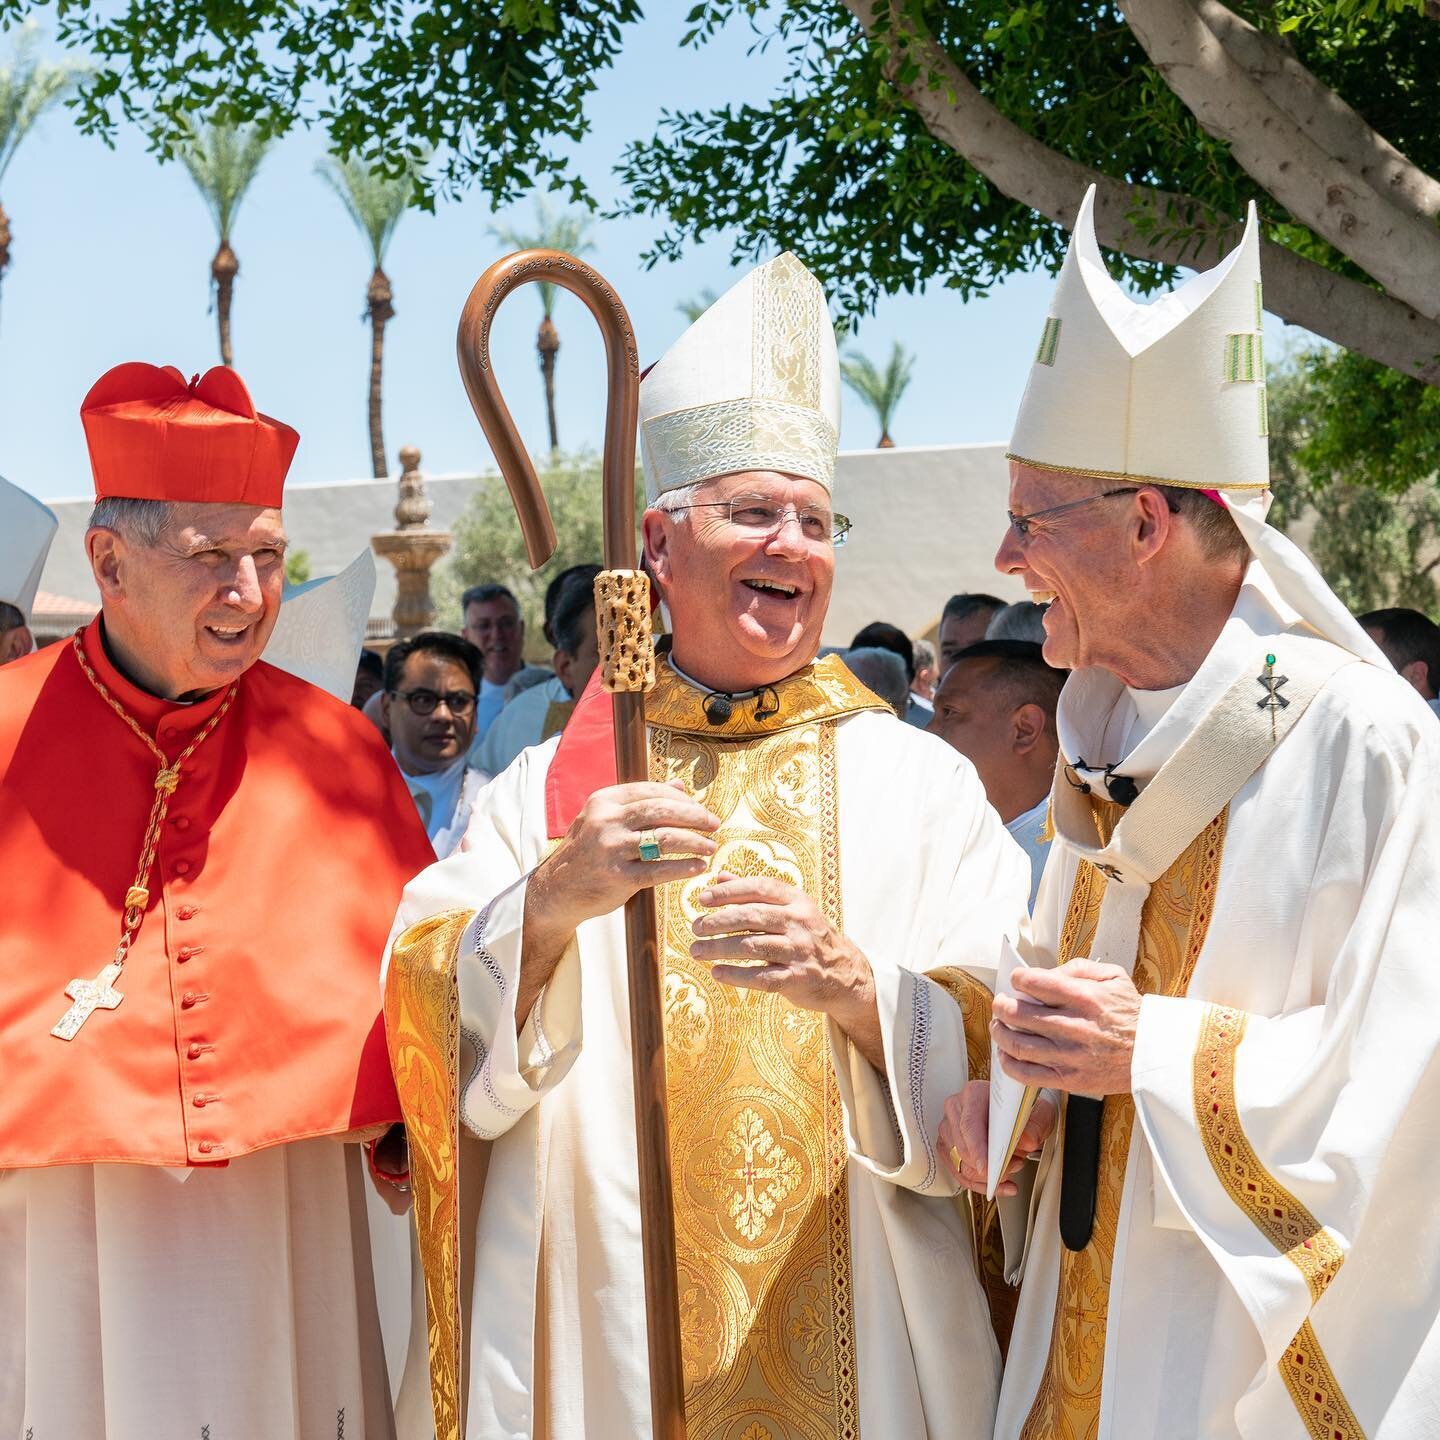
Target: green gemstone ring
[649,846]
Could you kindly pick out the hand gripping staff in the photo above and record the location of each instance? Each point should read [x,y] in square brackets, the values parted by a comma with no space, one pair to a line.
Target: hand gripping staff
[622,604]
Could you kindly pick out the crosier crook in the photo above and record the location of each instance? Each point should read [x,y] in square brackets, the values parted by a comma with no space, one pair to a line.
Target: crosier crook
[622,624]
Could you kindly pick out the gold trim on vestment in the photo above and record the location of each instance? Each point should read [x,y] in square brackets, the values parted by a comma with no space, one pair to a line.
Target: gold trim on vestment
[974,1000]
[1280,1216]
[825,690]
[1125,476]
[422,1034]
[1173,926]
[757,1137]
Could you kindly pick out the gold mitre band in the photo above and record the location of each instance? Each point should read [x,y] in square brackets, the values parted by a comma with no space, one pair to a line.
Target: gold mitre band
[1126,477]
[686,446]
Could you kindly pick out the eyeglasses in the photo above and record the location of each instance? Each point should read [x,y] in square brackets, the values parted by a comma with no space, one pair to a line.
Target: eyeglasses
[1020,524]
[759,516]
[425,702]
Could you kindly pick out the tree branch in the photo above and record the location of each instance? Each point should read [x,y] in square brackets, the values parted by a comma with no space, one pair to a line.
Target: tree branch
[1401,252]
[1337,128]
[1031,173]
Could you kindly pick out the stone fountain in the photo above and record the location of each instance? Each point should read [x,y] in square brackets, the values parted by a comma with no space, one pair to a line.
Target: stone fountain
[412,548]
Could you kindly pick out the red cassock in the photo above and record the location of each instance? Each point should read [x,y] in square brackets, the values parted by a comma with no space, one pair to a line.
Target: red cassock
[251,1014]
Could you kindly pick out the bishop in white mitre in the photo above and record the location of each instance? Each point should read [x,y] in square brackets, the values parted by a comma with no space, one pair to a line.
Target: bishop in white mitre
[1235,1231]
[829,881]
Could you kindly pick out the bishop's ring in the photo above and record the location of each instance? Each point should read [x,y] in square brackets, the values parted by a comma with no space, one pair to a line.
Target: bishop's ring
[649,846]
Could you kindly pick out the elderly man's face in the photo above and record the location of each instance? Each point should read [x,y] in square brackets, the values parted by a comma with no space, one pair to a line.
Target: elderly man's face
[193,611]
[747,605]
[1075,561]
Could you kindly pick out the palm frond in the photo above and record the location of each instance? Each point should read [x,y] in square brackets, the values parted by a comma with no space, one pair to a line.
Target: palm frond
[879,389]
[374,200]
[28,87]
[567,230]
[222,161]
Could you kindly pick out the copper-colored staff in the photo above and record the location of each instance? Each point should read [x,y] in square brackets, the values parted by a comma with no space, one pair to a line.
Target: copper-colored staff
[623,626]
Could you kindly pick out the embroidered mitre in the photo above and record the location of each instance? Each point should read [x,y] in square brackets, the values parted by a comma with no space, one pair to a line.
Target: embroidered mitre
[1168,392]
[26,529]
[753,384]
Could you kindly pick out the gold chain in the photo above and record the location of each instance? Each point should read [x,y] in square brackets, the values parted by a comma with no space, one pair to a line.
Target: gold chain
[137,897]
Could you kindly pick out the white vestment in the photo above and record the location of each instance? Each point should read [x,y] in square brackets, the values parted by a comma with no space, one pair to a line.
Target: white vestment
[556,1320]
[1285,1102]
[518,726]
[138,1302]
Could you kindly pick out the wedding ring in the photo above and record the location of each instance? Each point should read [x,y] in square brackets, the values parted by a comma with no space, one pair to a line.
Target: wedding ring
[649,846]
[956,1161]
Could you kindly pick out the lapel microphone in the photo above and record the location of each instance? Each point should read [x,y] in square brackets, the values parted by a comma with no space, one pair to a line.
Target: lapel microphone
[718,707]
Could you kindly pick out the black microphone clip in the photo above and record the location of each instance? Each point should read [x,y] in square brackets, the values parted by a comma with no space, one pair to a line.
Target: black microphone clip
[718,707]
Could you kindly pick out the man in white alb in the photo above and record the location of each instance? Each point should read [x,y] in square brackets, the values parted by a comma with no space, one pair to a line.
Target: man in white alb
[1236,1229]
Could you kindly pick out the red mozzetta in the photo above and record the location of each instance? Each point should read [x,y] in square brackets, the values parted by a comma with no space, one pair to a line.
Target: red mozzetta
[252,998]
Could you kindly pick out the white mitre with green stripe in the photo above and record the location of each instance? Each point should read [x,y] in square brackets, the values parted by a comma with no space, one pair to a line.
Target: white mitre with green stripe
[753,384]
[1171,391]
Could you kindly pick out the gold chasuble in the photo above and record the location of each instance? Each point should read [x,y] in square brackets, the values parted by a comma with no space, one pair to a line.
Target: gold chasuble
[1173,926]
[757,1134]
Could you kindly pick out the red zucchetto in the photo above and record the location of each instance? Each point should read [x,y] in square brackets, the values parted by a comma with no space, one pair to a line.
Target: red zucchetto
[153,437]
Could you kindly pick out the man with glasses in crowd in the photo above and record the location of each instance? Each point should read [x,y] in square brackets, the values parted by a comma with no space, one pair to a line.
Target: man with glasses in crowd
[1232,981]
[813,857]
[494,625]
[431,684]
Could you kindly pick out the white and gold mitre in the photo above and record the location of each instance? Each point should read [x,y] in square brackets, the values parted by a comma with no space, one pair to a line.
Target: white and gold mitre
[1171,392]
[753,384]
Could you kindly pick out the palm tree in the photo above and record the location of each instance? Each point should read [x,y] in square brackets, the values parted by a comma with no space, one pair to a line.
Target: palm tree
[568,231]
[695,307]
[222,161]
[376,201]
[27,87]
[880,390]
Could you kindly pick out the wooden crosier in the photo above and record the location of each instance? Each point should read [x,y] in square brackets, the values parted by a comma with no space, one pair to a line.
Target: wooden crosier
[622,614]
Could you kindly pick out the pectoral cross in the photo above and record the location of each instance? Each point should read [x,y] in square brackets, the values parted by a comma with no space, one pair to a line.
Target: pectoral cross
[1274,701]
[89,996]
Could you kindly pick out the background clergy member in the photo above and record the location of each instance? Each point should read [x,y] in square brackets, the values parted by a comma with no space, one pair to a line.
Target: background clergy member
[813,857]
[432,681]
[541,711]
[1241,901]
[199,850]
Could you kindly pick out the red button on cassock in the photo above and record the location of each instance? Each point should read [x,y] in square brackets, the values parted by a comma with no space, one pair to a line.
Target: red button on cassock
[187,912]
[181,822]
[205,1146]
[188,999]
[182,867]
[195,1051]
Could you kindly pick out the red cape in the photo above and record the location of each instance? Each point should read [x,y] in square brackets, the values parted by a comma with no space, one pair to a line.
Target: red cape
[251,1014]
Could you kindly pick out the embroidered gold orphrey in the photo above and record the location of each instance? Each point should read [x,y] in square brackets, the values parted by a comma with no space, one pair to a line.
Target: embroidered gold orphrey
[1280,1217]
[756,1127]
[1173,926]
[422,1035]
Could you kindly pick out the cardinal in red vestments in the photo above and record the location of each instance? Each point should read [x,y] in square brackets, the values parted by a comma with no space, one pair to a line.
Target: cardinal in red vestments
[201,858]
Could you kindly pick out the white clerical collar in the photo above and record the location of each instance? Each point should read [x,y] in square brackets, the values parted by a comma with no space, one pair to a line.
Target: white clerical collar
[442,786]
[1097,716]
[710,689]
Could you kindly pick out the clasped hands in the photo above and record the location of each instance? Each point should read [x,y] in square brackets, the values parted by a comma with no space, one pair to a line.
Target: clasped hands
[1071,1029]
[757,933]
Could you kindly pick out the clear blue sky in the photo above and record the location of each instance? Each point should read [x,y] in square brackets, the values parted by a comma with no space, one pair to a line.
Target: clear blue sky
[111,261]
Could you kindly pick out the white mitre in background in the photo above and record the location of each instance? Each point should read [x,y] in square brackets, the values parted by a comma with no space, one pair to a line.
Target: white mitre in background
[321,628]
[26,529]
[753,384]
[1170,392]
